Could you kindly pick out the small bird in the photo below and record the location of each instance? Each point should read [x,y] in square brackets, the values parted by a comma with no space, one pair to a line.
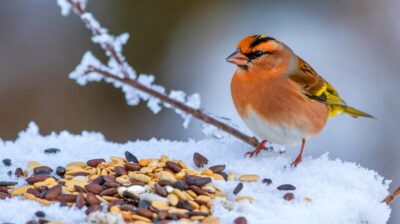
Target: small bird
[279,96]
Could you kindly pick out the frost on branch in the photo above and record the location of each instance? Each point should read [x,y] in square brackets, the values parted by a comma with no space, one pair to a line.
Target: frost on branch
[65,6]
[84,73]
[88,69]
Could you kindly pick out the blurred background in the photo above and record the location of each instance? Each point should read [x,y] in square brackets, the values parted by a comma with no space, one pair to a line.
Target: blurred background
[354,44]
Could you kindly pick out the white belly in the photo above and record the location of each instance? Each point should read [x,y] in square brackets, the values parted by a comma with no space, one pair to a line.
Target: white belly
[280,134]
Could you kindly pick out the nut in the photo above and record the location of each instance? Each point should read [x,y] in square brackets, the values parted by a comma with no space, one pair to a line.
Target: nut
[249,178]
[139,177]
[173,199]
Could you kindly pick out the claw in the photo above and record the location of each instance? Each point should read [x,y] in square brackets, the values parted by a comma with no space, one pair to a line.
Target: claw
[257,151]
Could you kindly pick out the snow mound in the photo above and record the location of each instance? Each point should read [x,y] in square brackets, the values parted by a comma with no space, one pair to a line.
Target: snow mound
[340,192]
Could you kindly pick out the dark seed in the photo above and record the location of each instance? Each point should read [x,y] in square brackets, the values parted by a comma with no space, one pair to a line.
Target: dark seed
[40,214]
[199,160]
[34,179]
[94,162]
[286,187]
[19,172]
[8,183]
[173,166]
[130,166]
[63,204]
[32,222]
[94,188]
[181,185]
[127,207]
[7,162]
[3,189]
[43,193]
[160,190]
[109,192]
[79,189]
[80,201]
[164,182]
[42,173]
[130,157]
[266,181]
[240,220]
[9,173]
[44,169]
[288,196]
[34,192]
[182,215]
[92,199]
[53,192]
[224,175]
[163,214]
[172,216]
[111,184]
[4,195]
[144,212]
[144,204]
[217,168]
[43,221]
[51,150]
[199,181]
[198,214]
[98,180]
[93,208]
[238,188]
[120,171]
[115,202]
[198,190]
[60,182]
[60,171]
[109,178]
[84,174]
[185,205]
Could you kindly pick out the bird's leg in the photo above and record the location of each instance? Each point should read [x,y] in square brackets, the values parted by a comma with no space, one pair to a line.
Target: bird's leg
[300,156]
[260,147]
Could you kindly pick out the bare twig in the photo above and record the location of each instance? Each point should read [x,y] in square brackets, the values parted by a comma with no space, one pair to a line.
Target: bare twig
[393,196]
[199,114]
[194,112]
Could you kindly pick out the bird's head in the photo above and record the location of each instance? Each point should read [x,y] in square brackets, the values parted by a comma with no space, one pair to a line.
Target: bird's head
[264,53]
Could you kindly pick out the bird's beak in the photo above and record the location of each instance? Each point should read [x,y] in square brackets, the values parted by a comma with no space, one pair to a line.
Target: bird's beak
[237,58]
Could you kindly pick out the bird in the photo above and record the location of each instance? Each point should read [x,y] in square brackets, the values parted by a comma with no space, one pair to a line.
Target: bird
[279,96]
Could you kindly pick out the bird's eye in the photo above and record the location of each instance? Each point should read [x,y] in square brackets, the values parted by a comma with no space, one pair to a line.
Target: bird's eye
[258,53]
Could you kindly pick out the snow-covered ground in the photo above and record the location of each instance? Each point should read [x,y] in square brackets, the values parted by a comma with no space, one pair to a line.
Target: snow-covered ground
[340,192]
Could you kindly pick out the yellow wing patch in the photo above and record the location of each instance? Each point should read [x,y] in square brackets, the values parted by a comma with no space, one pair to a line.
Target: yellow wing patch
[317,88]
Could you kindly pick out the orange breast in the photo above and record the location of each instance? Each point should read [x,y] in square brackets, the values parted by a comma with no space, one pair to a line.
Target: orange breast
[278,100]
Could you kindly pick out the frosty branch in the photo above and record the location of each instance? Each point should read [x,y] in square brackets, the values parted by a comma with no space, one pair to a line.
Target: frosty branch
[181,106]
[393,196]
[136,88]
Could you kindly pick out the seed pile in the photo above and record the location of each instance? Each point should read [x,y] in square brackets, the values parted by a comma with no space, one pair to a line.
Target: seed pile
[141,191]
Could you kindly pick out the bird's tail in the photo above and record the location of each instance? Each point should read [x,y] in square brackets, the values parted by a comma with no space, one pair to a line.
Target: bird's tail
[356,113]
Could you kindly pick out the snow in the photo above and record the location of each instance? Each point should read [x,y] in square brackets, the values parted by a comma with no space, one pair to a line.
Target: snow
[341,192]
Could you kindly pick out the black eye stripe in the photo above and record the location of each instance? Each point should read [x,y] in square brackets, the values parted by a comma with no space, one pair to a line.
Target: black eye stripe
[256,54]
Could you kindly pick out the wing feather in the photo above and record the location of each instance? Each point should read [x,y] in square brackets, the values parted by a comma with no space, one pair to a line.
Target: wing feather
[315,87]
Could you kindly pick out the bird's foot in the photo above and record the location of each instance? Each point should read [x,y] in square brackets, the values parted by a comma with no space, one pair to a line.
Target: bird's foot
[258,149]
[300,156]
[296,162]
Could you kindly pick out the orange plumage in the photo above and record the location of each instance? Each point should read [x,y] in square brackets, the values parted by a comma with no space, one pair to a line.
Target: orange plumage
[279,96]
